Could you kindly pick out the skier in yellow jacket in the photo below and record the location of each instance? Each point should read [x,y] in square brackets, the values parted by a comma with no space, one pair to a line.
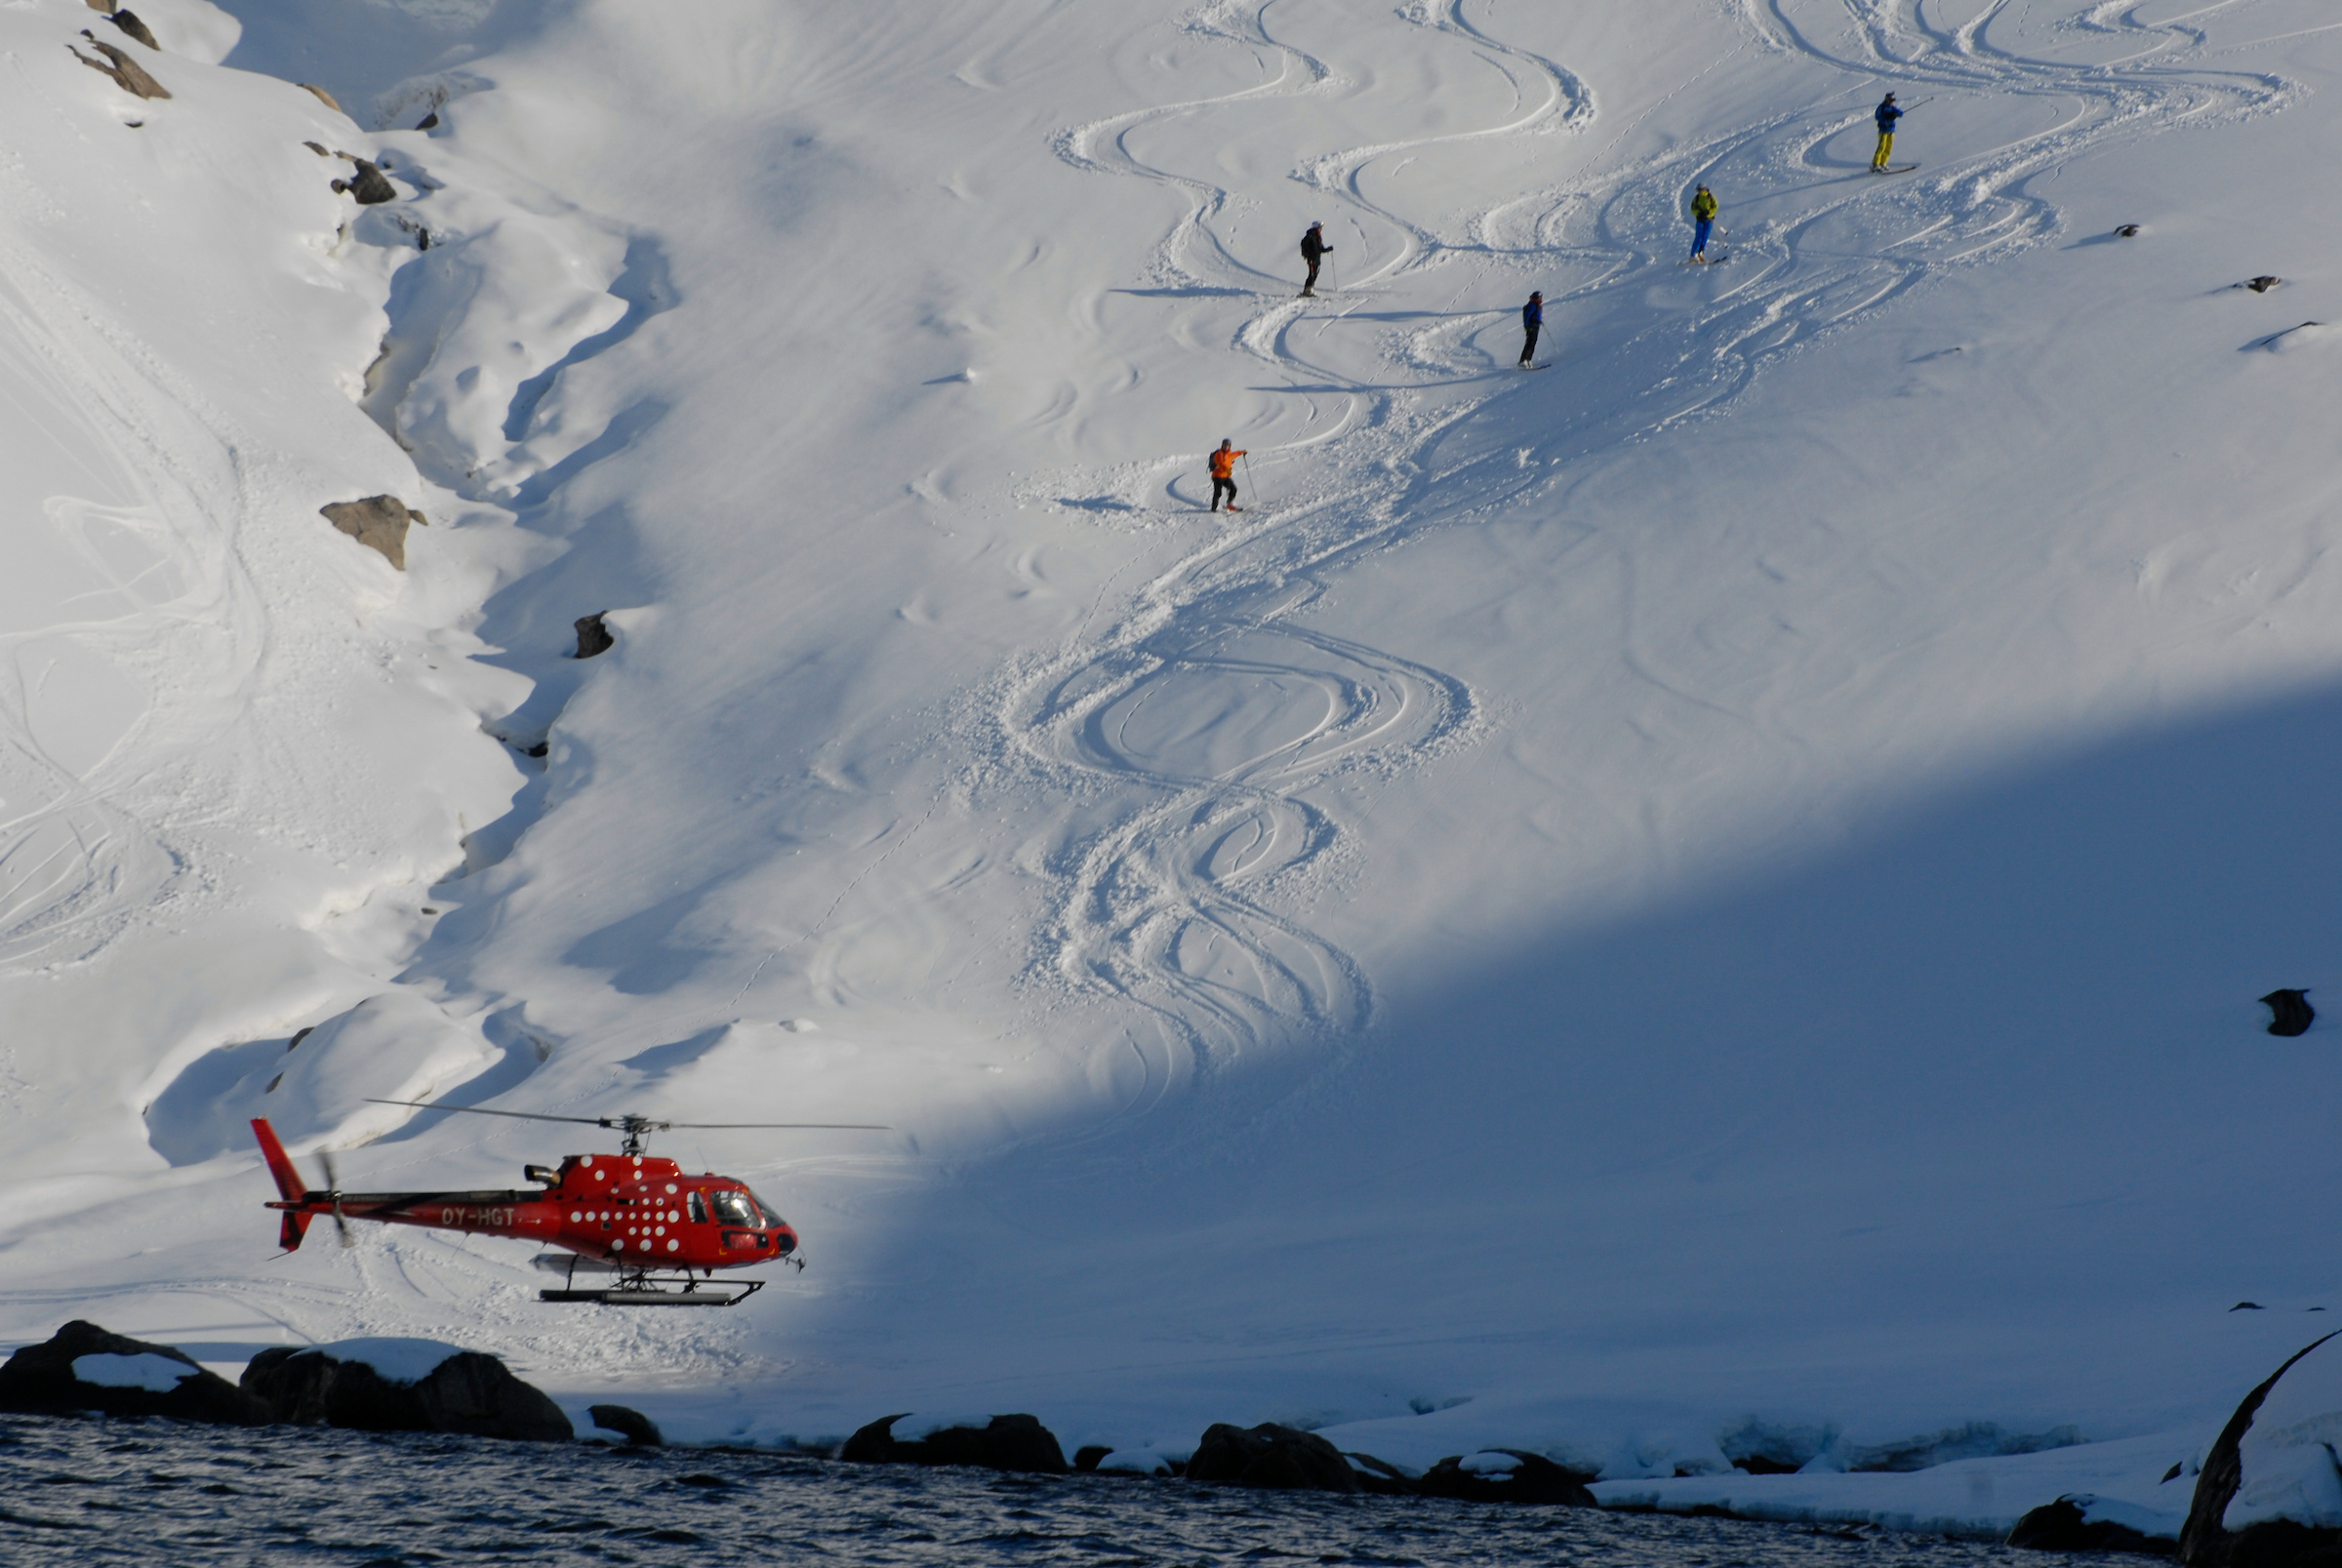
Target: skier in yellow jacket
[1703,220]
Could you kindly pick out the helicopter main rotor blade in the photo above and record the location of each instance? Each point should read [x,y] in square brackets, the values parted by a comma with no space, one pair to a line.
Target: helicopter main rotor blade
[482,1110]
[840,1126]
[620,1123]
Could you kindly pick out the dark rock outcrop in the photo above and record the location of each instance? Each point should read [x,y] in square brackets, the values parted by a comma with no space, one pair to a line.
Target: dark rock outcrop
[129,23]
[2289,1012]
[369,185]
[638,1430]
[379,522]
[2261,285]
[2127,231]
[1005,1443]
[40,1380]
[1535,1480]
[1379,1477]
[1272,1457]
[1086,1458]
[468,1393]
[592,636]
[2061,1526]
[128,74]
[2204,1541]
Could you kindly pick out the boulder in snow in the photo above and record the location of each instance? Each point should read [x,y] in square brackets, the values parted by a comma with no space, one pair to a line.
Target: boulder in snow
[323,97]
[1506,1475]
[84,1367]
[1272,1457]
[2289,1011]
[2066,1525]
[368,184]
[592,636]
[128,73]
[379,522]
[394,1385]
[638,1430]
[1004,1443]
[129,23]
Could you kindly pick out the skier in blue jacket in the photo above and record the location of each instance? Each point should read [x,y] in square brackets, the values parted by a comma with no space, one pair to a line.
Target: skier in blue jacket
[1886,116]
[1532,317]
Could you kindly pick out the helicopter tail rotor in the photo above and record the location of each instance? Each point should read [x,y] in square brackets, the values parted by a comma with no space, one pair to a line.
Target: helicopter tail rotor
[333,1194]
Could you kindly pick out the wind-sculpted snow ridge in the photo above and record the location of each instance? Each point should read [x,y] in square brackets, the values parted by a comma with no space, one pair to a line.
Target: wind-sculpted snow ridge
[1177,905]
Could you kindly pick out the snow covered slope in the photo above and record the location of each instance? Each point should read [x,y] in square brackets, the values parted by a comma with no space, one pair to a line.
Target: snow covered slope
[1717,889]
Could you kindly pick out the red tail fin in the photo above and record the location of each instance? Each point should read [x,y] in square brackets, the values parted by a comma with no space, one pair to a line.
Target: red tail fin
[289,1185]
[289,1234]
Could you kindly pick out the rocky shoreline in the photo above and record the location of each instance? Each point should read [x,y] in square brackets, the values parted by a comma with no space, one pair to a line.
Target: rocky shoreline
[421,1386]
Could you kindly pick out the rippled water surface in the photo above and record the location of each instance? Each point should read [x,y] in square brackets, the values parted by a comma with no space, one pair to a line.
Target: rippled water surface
[132,1492]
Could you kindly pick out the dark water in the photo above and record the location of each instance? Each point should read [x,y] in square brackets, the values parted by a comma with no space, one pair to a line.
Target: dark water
[75,1492]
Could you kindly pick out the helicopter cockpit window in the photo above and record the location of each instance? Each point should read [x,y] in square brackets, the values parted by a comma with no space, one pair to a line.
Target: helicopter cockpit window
[733,1208]
[699,1209]
[772,1216]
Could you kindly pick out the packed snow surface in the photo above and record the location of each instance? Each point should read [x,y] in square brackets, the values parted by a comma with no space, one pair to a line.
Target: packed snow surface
[157,1374]
[1703,902]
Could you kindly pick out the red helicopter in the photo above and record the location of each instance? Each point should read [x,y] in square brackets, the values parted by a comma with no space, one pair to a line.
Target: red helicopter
[663,1233]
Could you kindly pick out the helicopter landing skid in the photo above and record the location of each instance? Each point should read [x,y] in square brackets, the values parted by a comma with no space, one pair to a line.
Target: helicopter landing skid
[642,1288]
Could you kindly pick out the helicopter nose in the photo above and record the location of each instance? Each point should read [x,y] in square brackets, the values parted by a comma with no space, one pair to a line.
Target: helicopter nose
[785,1240]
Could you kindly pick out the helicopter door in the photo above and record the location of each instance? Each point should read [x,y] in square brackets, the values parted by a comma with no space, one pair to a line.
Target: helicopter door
[698,1208]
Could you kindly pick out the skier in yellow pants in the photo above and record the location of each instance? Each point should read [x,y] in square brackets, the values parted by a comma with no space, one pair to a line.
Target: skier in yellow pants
[1886,116]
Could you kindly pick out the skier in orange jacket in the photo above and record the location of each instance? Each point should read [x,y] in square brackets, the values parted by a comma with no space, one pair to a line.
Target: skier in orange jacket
[1224,474]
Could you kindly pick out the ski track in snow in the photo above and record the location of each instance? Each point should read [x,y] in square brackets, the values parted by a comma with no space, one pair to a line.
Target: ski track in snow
[165,629]
[1176,905]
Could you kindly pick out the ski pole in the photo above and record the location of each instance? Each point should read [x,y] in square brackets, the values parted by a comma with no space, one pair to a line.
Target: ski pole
[1249,480]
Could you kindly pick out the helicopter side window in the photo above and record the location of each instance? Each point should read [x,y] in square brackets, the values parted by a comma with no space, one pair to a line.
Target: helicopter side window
[733,1208]
[698,1208]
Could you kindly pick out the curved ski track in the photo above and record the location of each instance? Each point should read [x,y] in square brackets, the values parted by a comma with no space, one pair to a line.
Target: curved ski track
[1173,906]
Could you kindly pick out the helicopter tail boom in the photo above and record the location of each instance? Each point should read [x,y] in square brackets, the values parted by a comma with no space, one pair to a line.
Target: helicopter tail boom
[289,1185]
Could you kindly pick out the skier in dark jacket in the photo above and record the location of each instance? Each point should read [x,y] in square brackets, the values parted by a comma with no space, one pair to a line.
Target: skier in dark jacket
[1313,249]
[1886,115]
[1532,317]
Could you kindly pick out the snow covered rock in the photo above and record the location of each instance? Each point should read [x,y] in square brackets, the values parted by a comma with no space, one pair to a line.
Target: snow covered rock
[1003,1443]
[1270,1456]
[85,1367]
[638,1430]
[379,522]
[403,1385]
[1506,1475]
[2270,1490]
